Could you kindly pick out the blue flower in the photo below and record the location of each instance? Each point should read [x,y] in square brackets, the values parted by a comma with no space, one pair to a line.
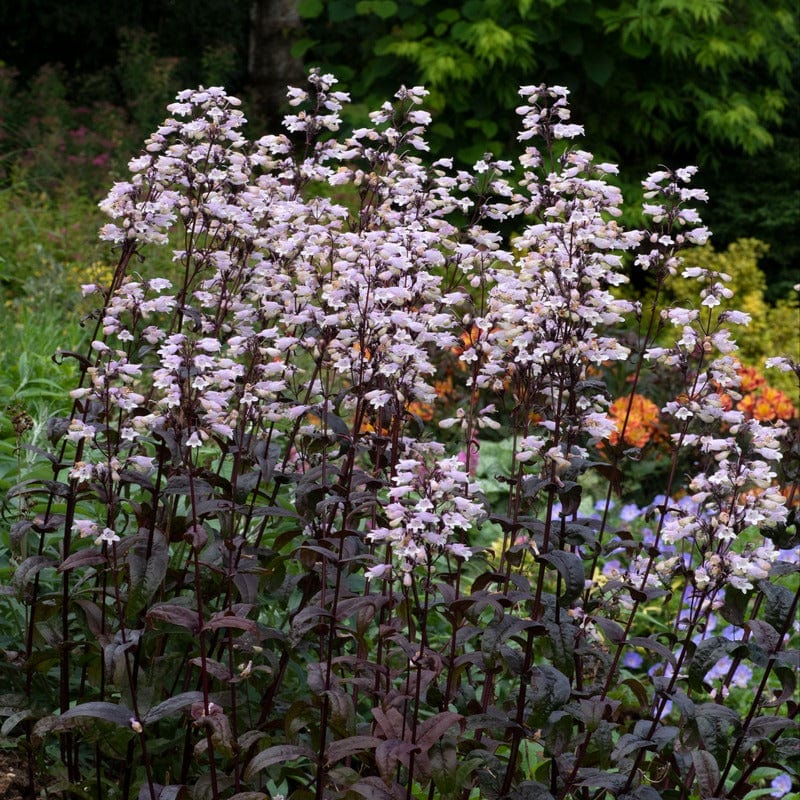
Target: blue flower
[781,785]
[632,660]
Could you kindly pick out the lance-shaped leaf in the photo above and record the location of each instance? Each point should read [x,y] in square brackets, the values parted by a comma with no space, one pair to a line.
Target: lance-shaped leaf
[629,743]
[432,729]
[600,779]
[107,712]
[570,567]
[29,568]
[345,748]
[612,630]
[172,705]
[786,671]
[14,719]
[176,791]
[374,788]
[249,796]
[188,485]
[222,619]
[561,638]
[278,754]
[762,728]
[177,615]
[653,645]
[391,751]
[706,771]
[147,562]
[85,557]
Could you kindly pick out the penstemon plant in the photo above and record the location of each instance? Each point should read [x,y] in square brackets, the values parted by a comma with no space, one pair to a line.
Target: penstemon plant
[264,564]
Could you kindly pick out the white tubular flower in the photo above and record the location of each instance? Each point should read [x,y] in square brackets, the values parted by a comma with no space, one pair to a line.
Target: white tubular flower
[430,510]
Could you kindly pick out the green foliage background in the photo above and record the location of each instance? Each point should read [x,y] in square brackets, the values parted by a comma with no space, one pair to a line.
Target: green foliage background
[709,82]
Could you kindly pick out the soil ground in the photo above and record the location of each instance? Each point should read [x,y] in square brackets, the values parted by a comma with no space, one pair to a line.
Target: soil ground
[13,777]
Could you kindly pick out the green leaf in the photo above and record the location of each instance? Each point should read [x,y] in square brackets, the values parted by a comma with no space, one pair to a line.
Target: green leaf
[443,130]
[448,15]
[309,9]
[302,46]
[341,10]
[381,8]
[637,48]
[599,66]
[486,39]
[487,126]
[572,42]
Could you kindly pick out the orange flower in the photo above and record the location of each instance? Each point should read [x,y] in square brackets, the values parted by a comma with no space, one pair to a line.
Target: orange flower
[468,340]
[759,400]
[642,420]
[751,378]
[444,388]
[726,401]
[422,410]
[781,405]
[767,405]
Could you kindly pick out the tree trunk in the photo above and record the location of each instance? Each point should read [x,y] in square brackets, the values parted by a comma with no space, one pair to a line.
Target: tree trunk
[274,27]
